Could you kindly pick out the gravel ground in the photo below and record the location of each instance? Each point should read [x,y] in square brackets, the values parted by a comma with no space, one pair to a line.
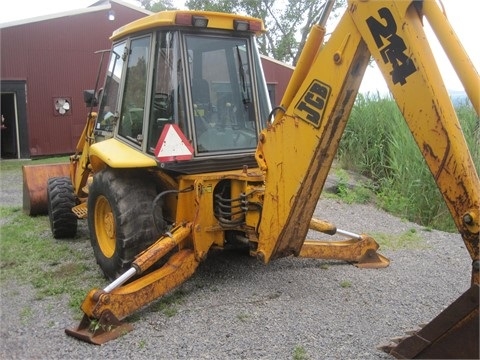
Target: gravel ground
[238,308]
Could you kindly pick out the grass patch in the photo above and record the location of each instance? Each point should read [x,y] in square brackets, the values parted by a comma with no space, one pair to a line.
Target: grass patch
[25,315]
[243,317]
[345,284]
[359,193]
[410,239]
[29,255]
[17,164]
[299,353]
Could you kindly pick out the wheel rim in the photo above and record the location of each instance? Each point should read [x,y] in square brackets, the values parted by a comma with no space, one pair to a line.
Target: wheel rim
[105,226]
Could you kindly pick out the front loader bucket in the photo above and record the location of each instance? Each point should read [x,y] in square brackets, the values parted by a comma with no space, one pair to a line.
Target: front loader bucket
[35,179]
[454,334]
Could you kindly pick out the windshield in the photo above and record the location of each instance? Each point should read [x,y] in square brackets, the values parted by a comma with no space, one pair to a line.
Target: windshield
[221,92]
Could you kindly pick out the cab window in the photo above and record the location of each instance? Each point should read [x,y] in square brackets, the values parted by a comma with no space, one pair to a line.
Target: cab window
[134,99]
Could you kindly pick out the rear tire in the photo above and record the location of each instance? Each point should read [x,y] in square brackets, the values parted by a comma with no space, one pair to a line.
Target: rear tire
[61,199]
[120,218]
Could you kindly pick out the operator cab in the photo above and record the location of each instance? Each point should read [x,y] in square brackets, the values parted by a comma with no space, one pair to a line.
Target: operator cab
[189,90]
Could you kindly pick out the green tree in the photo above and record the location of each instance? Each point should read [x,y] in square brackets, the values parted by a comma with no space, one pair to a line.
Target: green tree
[157,6]
[288,25]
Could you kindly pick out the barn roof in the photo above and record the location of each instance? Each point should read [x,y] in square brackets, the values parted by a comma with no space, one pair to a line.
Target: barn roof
[94,7]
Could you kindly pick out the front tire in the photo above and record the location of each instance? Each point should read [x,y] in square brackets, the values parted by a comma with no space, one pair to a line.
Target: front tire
[120,218]
[61,199]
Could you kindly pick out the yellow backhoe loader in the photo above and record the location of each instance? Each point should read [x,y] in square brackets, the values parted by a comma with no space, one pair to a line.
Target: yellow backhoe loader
[185,154]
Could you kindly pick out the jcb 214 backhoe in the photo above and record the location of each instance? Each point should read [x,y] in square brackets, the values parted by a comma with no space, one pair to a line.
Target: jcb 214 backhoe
[185,154]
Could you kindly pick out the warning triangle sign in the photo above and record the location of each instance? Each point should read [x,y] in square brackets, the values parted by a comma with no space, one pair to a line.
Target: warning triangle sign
[172,145]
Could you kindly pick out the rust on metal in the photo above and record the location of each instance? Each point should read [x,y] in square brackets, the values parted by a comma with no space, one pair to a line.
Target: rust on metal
[35,179]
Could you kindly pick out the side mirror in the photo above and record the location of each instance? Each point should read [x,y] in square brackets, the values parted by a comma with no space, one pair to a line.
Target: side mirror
[89,98]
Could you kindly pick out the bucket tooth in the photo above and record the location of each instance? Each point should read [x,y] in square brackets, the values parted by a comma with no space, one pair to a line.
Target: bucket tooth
[386,348]
[99,331]
[393,342]
[411,332]
[397,340]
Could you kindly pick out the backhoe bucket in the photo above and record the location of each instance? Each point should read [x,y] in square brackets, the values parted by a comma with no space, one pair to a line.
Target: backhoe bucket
[35,179]
[453,334]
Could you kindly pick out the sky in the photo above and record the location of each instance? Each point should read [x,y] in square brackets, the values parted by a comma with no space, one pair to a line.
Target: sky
[463,15]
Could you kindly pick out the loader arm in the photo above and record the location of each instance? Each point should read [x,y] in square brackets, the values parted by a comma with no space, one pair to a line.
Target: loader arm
[296,150]
[79,162]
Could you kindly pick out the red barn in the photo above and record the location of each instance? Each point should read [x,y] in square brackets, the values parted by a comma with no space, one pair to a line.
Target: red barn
[47,62]
[278,75]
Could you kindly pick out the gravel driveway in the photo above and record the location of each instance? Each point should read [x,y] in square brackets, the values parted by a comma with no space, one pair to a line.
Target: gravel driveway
[235,307]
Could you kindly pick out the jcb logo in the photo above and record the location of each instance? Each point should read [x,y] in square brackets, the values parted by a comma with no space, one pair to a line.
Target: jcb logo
[313,103]
[392,47]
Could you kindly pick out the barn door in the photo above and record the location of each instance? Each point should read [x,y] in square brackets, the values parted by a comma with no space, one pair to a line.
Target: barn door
[14,129]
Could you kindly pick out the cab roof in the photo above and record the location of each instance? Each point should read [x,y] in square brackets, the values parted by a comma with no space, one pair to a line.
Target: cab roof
[183,18]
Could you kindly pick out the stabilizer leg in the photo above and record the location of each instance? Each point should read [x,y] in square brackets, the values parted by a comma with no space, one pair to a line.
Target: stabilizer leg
[361,250]
[103,311]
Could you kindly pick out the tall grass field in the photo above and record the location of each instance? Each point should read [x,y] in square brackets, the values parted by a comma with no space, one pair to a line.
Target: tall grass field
[378,144]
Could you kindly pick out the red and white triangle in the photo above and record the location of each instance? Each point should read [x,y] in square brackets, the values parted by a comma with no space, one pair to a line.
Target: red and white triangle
[173,145]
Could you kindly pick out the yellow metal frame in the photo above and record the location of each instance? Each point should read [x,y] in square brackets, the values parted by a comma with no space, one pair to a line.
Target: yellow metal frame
[79,162]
